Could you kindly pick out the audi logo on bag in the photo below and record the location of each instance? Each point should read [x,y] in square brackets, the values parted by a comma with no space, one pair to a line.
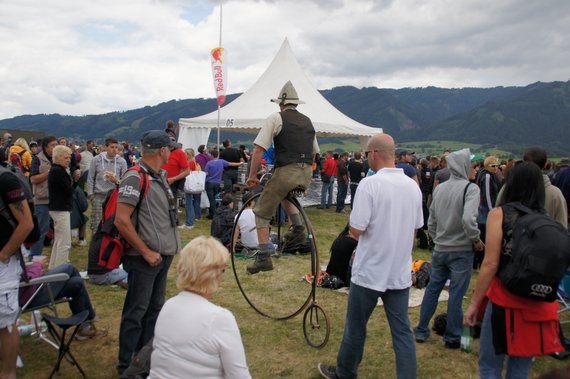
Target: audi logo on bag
[541,289]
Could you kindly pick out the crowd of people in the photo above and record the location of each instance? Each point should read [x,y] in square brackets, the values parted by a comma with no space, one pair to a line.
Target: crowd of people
[454,204]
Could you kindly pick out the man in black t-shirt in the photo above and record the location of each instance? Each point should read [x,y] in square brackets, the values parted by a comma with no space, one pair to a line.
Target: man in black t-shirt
[15,224]
[232,155]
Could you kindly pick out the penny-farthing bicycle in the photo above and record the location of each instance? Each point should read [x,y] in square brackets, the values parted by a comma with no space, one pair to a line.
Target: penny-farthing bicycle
[283,293]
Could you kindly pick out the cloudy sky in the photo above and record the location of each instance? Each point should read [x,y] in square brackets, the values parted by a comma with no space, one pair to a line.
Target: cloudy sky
[79,57]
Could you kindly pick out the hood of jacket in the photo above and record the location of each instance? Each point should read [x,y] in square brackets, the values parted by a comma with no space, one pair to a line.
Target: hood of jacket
[459,163]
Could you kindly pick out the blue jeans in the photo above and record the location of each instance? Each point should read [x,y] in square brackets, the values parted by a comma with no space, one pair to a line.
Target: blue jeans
[455,266]
[42,214]
[327,188]
[111,277]
[72,288]
[491,364]
[361,303]
[192,201]
[144,300]
[212,189]
[342,190]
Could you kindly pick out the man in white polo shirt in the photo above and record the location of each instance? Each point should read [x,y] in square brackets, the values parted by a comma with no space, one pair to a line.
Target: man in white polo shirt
[387,211]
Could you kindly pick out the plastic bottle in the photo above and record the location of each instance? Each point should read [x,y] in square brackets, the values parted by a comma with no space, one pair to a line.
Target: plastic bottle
[467,339]
[26,330]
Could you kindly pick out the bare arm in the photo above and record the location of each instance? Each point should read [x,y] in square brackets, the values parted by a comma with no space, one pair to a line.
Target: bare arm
[490,263]
[39,178]
[252,180]
[184,173]
[128,232]
[355,233]
[21,213]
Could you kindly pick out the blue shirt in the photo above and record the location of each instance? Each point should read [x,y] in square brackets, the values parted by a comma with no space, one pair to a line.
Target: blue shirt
[214,169]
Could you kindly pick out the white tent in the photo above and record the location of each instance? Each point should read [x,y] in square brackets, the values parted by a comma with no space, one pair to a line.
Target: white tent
[248,112]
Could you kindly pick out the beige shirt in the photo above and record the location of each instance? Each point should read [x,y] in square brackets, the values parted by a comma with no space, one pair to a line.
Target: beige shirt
[271,128]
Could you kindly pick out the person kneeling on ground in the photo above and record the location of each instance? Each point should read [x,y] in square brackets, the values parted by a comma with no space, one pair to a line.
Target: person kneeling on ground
[73,288]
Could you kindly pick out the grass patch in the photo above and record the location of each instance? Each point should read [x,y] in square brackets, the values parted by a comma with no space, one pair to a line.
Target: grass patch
[274,349]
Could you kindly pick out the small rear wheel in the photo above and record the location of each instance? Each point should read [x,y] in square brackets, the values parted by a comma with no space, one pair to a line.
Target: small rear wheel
[316,326]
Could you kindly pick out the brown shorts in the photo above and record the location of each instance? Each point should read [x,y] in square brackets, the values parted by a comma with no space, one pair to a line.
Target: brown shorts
[284,179]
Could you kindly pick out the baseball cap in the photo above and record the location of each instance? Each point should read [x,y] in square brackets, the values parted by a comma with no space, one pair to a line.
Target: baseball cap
[400,152]
[155,139]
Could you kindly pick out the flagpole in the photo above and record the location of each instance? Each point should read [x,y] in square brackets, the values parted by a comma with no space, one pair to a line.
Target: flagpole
[219,45]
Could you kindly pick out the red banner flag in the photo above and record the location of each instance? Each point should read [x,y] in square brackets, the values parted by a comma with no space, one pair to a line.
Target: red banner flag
[219,74]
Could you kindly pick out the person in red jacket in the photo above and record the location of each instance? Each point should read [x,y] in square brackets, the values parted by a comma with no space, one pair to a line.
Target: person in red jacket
[328,176]
[177,169]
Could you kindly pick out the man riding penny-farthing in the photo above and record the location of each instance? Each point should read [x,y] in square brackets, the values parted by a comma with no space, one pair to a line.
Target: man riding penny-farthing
[293,136]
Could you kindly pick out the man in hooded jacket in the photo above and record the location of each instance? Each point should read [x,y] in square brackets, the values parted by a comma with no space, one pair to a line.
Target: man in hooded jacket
[105,173]
[452,224]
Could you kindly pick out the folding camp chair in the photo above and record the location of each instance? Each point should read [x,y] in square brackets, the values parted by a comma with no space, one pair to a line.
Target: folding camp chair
[71,323]
[41,283]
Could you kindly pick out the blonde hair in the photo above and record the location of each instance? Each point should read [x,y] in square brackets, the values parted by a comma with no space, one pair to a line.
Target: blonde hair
[200,266]
[490,160]
[60,151]
[190,153]
[22,143]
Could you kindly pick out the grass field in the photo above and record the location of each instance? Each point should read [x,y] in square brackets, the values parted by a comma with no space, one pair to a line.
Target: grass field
[274,349]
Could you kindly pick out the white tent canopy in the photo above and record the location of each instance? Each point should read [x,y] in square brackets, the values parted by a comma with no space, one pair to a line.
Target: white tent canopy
[248,112]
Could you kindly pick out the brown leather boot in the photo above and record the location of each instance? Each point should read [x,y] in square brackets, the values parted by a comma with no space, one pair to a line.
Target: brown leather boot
[262,263]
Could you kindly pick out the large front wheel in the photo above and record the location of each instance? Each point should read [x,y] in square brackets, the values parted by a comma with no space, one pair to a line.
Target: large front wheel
[284,291]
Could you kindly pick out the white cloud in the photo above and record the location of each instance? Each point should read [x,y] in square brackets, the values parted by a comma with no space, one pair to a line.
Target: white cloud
[77,58]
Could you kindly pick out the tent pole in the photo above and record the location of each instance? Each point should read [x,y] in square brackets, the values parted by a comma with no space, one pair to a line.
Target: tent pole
[220,45]
[218,139]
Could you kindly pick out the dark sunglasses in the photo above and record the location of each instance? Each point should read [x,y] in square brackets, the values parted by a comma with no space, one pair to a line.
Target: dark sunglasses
[369,151]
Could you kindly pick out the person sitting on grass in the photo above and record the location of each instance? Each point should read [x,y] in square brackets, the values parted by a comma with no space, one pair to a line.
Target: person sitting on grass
[246,223]
[101,275]
[193,337]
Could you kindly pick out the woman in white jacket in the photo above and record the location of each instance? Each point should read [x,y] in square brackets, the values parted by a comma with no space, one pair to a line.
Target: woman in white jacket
[193,337]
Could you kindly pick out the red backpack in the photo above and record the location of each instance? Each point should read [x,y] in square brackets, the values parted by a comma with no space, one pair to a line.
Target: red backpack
[107,246]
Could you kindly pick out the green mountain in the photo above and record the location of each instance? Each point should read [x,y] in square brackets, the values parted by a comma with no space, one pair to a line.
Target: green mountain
[538,115]
[509,118]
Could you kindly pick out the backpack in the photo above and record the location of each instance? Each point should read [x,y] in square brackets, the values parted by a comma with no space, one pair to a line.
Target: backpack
[15,160]
[538,257]
[222,224]
[107,246]
[420,273]
[140,365]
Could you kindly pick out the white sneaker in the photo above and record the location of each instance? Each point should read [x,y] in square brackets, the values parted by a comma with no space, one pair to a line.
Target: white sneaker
[82,243]
[184,226]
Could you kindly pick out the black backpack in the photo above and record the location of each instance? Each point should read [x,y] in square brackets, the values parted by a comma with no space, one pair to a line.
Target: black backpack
[539,255]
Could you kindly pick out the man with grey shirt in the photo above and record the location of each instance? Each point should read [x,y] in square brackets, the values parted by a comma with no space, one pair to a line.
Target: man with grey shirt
[105,172]
[452,224]
[154,240]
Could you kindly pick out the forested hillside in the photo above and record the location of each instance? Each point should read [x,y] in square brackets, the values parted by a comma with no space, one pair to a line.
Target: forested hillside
[505,117]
